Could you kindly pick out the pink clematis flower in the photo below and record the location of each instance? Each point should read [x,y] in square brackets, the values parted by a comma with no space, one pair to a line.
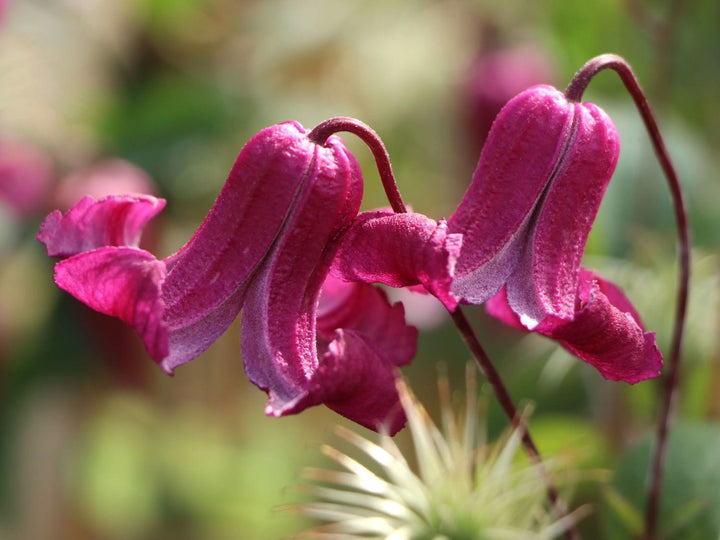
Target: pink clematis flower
[266,245]
[606,331]
[525,220]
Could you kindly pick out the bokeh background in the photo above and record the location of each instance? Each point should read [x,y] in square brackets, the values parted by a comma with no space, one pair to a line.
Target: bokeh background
[160,96]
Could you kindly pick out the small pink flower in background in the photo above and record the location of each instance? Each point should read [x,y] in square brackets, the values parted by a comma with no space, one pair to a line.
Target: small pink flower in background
[266,247]
[26,178]
[493,79]
[107,177]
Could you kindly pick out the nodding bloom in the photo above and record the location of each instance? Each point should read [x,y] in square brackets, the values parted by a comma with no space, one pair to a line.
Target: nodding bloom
[525,220]
[265,247]
[521,230]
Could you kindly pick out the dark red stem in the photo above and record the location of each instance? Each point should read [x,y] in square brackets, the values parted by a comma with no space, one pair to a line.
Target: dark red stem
[319,135]
[323,131]
[574,92]
[506,402]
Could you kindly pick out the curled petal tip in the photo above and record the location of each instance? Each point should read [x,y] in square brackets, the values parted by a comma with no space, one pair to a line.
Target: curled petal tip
[605,331]
[116,220]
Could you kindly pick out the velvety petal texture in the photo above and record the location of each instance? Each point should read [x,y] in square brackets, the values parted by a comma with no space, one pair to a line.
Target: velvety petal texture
[266,247]
[605,330]
[361,340]
[280,317]
[534,196]
[400,250]
[525,220]
[114,221]
[125,283]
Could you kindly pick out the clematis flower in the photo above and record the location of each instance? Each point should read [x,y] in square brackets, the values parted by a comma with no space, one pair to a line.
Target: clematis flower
[525,220]
[266,245]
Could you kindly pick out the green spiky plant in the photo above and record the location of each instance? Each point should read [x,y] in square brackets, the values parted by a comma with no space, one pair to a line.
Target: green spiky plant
[463,488]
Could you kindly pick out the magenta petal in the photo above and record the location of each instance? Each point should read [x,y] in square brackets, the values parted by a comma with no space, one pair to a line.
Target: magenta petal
[605,331]
[527,214]
[516,163]
[122,282]
[279,318]
[205,282]
[365,310]
[400,250]
[208,278]
[242,225]
[290,348]
[112,221]
[358,382]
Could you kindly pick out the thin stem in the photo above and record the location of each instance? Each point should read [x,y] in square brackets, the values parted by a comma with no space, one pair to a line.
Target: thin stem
[574,92]
[323,131]
[319,135]
[506,402]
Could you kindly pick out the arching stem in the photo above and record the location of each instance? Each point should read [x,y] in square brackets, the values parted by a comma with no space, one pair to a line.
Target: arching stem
[319,135]
[323,131]
[574,92]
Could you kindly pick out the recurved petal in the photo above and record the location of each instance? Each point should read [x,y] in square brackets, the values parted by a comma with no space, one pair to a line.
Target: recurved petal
[357,380]
[605,331]
[400,250]
[116,220]
[366,311]
[605,336]
[517,162]
[122,282]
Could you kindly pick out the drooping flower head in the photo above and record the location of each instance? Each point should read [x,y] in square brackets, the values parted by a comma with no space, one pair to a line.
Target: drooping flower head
[267,245]
[525,220]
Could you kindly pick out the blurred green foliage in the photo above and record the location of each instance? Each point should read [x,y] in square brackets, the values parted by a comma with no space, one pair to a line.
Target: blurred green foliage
[690,502]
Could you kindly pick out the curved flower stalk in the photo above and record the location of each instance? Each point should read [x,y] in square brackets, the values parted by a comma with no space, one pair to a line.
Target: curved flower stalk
[266,244]
[459,488]
[574,92]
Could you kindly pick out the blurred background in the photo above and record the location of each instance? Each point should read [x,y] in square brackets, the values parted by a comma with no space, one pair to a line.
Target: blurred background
[159,96]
